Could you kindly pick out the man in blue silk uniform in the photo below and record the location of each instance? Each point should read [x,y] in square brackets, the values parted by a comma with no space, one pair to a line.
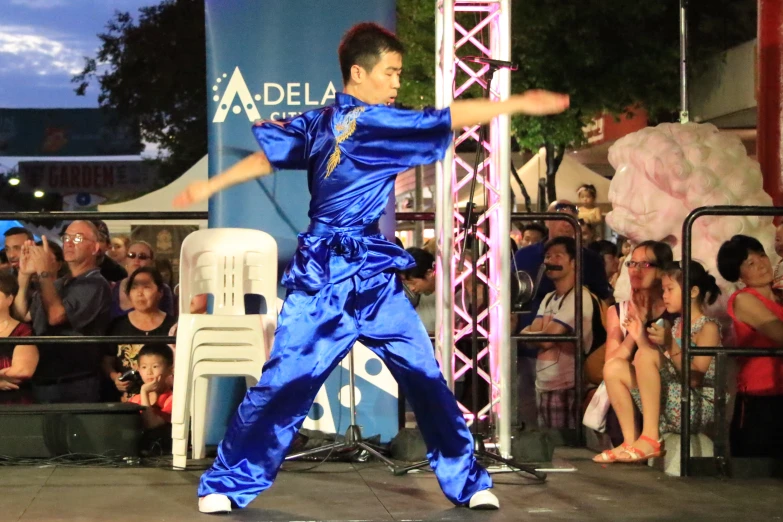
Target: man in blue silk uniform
[342,282]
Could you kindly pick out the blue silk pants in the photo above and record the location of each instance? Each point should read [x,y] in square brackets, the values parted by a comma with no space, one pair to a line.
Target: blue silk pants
[315,332]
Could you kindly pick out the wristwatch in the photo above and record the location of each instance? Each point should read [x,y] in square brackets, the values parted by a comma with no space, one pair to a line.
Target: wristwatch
[44,274]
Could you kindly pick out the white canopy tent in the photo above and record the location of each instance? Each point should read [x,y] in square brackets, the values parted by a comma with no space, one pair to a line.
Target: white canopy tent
[570,176]
[160,201]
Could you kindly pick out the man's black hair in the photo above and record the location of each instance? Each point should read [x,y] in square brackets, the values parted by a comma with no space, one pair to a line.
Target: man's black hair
[568,242]
[15,231]
[424,261]
[535,226]
[363,45]
[604,247]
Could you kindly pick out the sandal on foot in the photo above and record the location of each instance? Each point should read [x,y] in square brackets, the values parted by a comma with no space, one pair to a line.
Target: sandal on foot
[609,456]
[637,455]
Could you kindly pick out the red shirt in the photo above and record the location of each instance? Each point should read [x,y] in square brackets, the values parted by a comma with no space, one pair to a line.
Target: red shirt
[164,403]
[757,375]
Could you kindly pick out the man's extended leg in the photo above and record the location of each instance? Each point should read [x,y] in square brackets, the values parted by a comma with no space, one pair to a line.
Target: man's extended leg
[314,334]
[389,326]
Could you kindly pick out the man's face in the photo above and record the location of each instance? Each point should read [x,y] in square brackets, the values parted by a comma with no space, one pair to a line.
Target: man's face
[80,243]
[557,255]
[531,237]
[612,265]
[380,86]
[13,248]
[421,285]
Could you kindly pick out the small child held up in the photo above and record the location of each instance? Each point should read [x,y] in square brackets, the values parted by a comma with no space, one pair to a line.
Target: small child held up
[156,368]
[587,209]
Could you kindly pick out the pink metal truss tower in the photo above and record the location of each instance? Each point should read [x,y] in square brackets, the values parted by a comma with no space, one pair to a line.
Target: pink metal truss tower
[475,28]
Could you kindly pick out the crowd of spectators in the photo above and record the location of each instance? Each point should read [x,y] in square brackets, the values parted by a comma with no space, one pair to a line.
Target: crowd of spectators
[97,285]
[92,285]
[640,361]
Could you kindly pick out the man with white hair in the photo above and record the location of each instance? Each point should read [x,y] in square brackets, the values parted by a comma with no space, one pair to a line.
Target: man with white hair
[77,304]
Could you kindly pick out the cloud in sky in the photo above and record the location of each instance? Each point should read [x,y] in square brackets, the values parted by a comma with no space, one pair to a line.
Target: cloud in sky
[23,49]
[39,4]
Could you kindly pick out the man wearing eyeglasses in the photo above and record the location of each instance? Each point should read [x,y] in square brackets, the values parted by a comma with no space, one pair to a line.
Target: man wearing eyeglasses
[77,304]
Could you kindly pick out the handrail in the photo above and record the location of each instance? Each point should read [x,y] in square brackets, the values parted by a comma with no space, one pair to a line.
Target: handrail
[106,216]
[576,338]
[687,351]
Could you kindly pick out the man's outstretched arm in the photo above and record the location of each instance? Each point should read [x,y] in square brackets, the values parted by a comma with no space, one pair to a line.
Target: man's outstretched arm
[254,166]
[465,113]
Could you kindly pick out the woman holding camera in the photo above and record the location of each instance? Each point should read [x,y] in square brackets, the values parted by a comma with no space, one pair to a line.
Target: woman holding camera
[145,291]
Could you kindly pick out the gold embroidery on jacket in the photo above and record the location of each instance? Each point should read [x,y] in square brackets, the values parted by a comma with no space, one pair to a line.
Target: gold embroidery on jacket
[345,130]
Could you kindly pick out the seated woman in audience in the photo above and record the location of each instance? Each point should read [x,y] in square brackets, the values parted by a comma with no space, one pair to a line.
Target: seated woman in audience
[654,379]
[757,313]
[145,291]
[644,268]
[17,362]
[139,255]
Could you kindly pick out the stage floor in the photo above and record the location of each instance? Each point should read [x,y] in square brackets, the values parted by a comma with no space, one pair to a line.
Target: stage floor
[342,491]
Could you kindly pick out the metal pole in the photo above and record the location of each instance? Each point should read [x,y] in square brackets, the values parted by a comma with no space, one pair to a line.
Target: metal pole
[352,384]
[418,206]
[444,227]
[684,118]
[500,229]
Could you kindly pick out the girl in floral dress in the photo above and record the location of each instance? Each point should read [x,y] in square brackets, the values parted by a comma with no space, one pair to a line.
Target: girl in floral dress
[657,389]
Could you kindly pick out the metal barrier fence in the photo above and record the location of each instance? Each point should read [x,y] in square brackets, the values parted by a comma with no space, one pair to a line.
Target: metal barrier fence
[576,338]
[720,352]
[87,216]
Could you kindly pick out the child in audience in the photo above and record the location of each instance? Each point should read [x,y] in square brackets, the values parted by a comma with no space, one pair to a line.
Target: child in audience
[587,209]
[156,367]
[655,382]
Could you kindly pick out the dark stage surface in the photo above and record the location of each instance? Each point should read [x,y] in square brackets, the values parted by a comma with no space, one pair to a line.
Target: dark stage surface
[341,491]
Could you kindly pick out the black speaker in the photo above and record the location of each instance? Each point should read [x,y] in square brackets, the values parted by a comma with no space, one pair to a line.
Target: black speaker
[408,445]
[51,430]
[531,446]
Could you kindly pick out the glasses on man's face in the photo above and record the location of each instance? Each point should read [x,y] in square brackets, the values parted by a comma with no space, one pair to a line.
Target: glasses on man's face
[640,264]
[141,255]
[74,238]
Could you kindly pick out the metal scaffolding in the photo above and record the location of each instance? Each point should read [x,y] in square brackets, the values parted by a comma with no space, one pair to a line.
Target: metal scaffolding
[476,28]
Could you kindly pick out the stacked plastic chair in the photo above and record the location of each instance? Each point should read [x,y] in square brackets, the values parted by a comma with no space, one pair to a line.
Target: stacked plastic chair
[227,263]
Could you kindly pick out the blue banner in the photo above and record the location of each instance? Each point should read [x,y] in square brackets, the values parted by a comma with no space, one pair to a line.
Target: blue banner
[274,59]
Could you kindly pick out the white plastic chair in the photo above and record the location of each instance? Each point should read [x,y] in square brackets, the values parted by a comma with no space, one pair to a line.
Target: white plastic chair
[227,263]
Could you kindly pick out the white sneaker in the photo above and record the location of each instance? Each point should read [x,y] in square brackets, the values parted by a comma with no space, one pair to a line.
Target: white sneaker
[484,499]
[215,503]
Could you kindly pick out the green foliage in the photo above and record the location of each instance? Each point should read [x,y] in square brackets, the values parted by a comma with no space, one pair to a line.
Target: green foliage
[609,55]
[152,69]
[416,28]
